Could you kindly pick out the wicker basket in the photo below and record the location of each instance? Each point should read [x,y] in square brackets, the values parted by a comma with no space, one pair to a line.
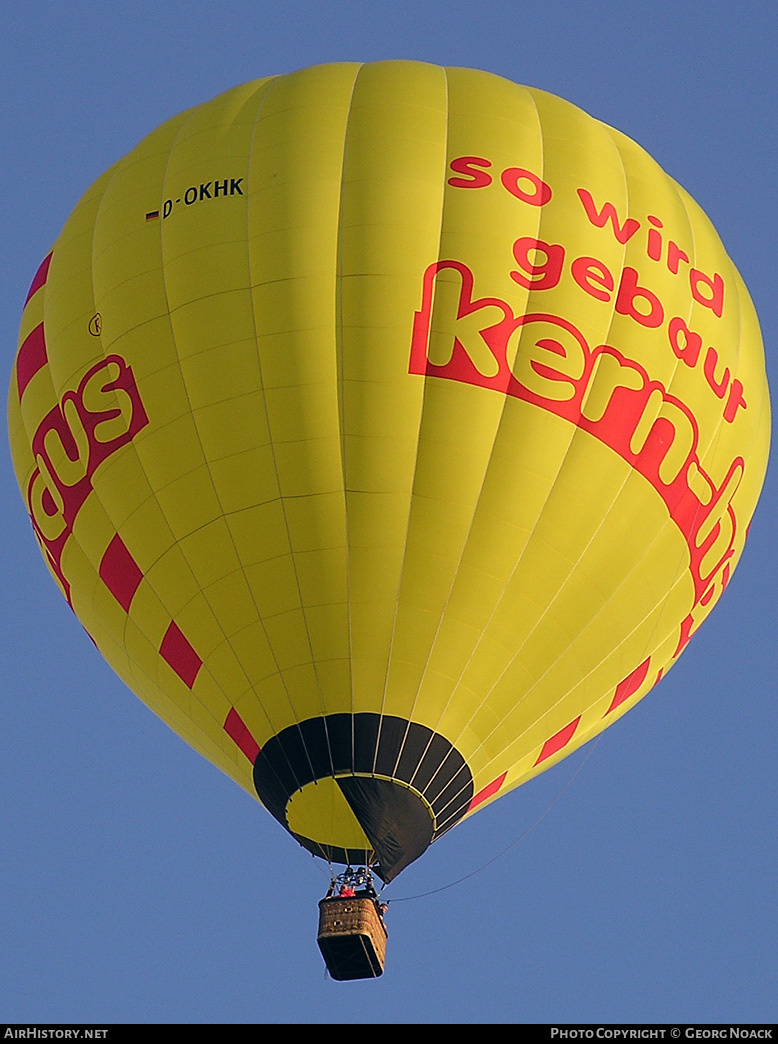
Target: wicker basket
[352,938]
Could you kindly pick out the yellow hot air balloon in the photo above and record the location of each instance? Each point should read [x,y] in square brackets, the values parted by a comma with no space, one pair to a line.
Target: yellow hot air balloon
[391,429]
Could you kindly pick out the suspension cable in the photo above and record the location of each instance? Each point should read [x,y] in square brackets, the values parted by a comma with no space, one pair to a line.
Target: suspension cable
[522,835]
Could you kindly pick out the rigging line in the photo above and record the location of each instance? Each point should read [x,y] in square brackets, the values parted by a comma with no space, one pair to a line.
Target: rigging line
[522,835]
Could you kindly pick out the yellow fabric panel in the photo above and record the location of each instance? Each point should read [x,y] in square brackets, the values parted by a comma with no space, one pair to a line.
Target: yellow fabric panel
[320,811]
[292,230]
[390,218]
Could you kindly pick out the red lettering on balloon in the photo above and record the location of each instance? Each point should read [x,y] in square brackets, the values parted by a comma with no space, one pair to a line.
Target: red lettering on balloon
[71,442]
[120,573]
[623,231]
[516,178]
[637,417]
[471,169]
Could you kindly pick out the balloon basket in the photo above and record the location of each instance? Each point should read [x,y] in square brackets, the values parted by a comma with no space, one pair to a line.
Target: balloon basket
[352,938]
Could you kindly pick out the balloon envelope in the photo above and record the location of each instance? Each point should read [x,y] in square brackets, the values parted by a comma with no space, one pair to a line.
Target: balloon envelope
[391,429]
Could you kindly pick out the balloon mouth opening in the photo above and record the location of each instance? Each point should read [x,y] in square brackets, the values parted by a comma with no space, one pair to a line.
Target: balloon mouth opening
[363,788]
[384,824]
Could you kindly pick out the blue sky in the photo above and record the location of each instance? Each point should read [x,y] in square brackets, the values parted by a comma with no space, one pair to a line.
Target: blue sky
[137,884]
